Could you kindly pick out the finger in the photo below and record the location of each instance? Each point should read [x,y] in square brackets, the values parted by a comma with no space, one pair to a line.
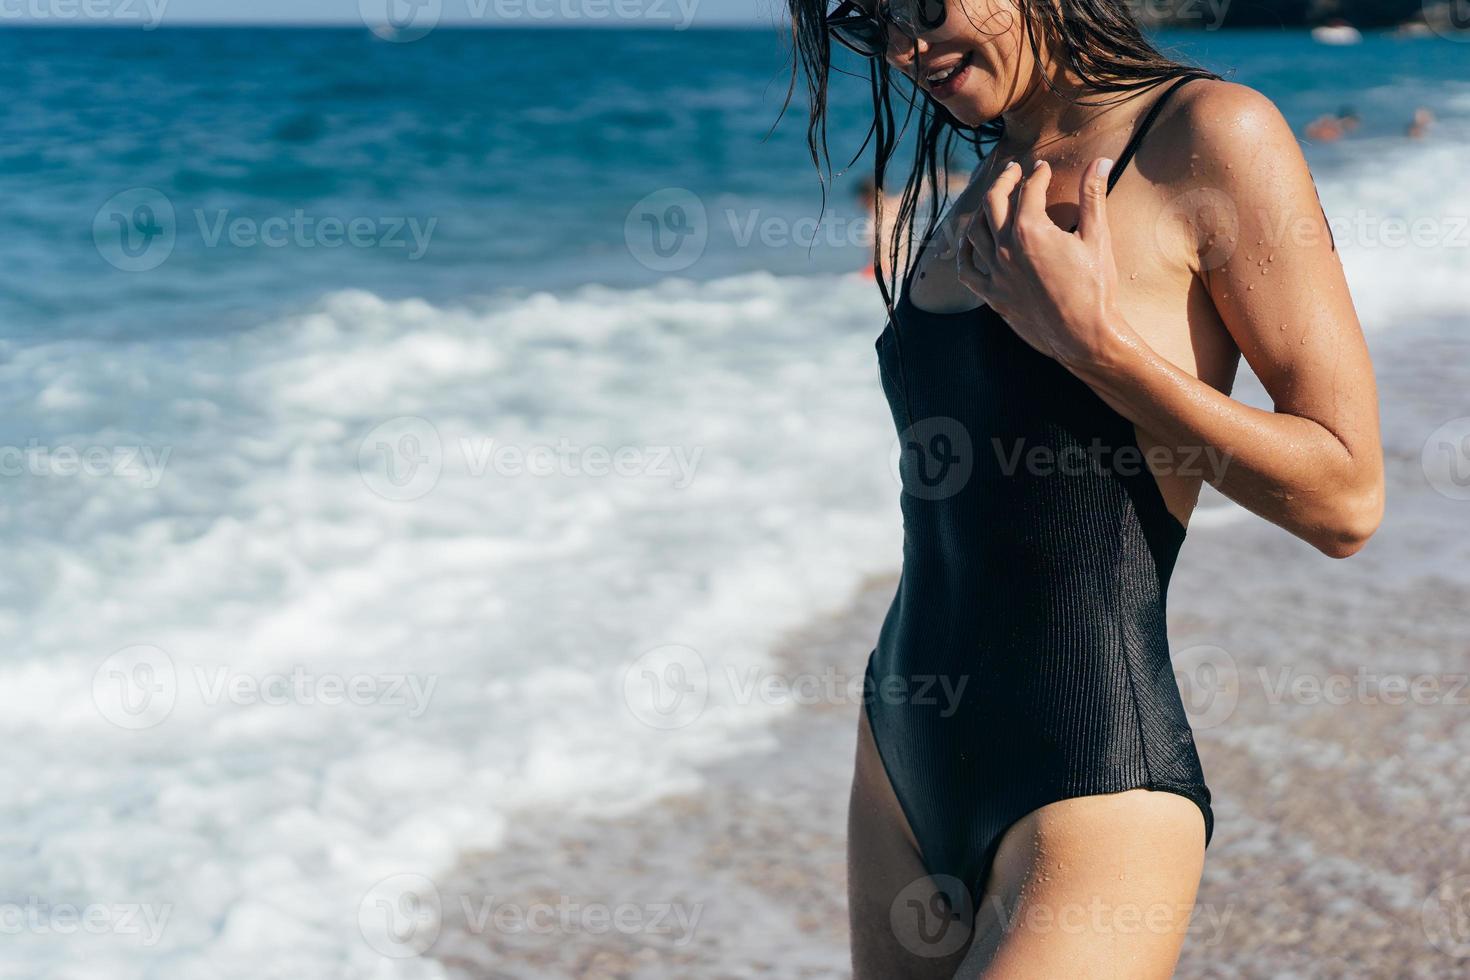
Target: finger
[970,277]
[1031,204]
[1092,221]
[964,256]
[982,246]
[952,233]
[997,204]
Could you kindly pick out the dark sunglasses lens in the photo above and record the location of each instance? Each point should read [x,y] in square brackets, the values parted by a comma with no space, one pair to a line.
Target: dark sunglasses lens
[914,17]
[861,35]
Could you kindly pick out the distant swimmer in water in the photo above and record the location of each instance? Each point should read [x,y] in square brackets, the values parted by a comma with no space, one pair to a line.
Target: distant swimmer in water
[1325,129]
[1331,128]
[1419,125]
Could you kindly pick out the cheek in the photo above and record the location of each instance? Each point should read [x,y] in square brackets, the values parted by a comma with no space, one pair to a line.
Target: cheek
[1002,62]
[993,30]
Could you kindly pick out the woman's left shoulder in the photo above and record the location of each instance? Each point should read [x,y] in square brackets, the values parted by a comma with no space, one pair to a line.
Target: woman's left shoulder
[1226,124]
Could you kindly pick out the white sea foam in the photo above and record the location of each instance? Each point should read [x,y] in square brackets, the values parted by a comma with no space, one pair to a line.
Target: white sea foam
[1401,218]
[489,620]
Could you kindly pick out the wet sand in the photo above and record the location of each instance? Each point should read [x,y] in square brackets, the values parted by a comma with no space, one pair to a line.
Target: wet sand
[1333,721]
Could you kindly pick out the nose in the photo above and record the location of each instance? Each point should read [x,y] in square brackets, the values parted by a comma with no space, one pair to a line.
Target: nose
[903,49]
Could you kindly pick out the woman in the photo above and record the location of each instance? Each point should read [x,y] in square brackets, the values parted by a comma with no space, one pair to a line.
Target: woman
[1028,801]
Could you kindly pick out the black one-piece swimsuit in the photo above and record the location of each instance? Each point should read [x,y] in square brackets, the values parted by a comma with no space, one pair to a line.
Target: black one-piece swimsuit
[1024,659]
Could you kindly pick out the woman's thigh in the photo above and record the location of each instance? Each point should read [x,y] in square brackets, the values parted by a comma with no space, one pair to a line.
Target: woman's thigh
[1095,887]
[903,923]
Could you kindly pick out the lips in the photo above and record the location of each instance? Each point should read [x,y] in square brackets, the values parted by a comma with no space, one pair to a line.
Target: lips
[945,80]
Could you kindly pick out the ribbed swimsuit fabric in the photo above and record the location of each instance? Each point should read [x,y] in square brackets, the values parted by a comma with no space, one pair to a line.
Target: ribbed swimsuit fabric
[1024,659]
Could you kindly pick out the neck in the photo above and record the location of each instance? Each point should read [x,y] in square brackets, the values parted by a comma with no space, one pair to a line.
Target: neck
[1048,109]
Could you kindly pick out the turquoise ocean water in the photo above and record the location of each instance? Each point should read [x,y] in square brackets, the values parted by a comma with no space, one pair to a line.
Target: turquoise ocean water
[514,177]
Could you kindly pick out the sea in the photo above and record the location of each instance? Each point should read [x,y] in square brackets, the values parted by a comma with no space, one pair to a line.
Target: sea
[386,423]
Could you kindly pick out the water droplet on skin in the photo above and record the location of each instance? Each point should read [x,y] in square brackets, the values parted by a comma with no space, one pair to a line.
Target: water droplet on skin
[1264,271]
[1133,276]
[1250,288]
[1271,257]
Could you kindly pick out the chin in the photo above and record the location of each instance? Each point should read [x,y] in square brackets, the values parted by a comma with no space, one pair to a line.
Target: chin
[972,109]
[967,111]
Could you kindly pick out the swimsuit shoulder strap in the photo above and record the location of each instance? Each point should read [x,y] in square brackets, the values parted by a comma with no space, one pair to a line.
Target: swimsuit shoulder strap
[1136,140]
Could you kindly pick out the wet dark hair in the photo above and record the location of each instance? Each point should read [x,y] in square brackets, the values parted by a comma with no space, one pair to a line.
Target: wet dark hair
[1097,40]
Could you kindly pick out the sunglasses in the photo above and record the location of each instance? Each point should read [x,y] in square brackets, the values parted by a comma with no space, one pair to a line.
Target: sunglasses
[865,30]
